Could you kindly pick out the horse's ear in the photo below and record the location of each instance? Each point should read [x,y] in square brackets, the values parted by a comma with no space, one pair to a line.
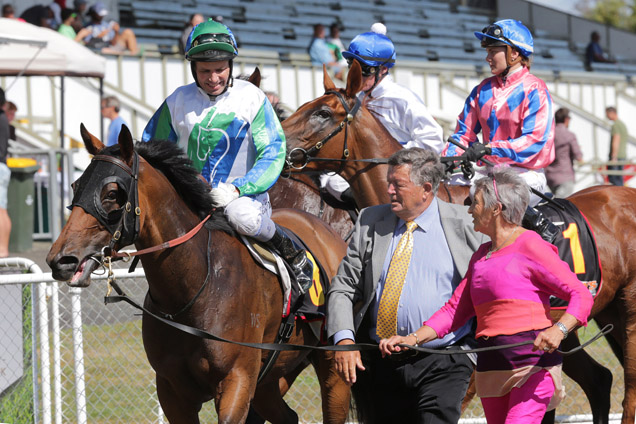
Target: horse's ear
[326,80]
[126,147]
[255,78]
[354,79]
[92,143]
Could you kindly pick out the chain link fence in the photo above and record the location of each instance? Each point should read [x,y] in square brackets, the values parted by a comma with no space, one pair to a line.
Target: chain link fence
[65,357]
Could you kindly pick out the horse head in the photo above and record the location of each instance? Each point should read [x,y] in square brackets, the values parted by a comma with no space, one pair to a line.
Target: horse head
[320,128]
[103,200]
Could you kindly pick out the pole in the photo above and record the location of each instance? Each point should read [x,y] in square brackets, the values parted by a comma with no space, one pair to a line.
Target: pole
[62,180]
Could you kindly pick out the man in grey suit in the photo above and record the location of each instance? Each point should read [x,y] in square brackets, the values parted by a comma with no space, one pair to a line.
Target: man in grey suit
[439,241]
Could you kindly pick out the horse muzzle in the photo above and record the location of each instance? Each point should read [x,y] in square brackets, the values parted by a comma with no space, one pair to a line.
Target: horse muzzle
[72,270]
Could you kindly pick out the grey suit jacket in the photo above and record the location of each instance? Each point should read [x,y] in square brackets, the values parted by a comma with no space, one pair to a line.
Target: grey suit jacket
[353,288]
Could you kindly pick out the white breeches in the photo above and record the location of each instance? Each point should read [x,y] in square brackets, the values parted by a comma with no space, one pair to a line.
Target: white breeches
[251,216]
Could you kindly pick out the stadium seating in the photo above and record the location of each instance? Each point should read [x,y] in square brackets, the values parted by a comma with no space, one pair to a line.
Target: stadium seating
[432,30]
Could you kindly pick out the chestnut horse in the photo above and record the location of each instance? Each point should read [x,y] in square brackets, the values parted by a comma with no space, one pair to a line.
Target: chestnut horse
[610,210]
[209,282]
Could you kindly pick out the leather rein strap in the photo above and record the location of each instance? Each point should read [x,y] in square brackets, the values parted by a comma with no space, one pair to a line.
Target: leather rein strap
[285,347]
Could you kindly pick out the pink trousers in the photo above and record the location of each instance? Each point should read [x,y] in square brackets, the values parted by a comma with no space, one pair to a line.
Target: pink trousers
[524,405]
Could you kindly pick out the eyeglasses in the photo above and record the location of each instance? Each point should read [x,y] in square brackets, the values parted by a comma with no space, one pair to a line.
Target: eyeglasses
[494,185]
[367,70]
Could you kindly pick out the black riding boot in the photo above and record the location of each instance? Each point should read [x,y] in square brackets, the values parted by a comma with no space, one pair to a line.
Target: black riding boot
[535,221]
[295,256]
[348,199]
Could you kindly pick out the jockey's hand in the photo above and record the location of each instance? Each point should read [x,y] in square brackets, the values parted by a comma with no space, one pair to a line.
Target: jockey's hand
[390,345]
[476,151]
[223,194]
[347,362]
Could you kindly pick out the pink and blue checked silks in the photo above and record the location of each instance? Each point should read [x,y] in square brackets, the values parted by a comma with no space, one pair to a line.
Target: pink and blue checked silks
[515,117]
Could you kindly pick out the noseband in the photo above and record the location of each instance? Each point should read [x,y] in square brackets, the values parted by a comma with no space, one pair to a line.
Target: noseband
[122,223]
[309,155]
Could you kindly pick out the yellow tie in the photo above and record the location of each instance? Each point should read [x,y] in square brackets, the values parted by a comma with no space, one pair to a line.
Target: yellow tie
[396,275]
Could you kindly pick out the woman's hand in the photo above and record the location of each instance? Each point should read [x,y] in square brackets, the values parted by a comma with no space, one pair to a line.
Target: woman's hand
[549,339]
[389,346]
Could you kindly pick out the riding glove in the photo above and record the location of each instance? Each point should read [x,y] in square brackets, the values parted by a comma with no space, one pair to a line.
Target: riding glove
[476,151]
[223,194]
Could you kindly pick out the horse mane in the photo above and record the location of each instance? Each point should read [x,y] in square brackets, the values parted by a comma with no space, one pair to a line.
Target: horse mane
[169,159]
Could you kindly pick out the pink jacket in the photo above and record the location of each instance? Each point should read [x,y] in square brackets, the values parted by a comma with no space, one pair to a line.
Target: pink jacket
[515,117]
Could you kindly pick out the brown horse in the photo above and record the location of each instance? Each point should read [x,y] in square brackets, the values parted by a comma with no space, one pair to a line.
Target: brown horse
[209,282]
[609,211]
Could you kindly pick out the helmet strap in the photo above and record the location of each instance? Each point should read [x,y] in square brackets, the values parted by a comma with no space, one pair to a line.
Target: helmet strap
[378,78]
[509,61]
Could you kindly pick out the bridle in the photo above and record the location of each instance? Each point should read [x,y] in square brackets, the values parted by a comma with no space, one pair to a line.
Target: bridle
[123,223]
[310,154]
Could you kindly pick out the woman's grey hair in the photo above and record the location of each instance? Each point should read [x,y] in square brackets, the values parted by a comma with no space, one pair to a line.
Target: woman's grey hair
[425,165]
[512,192]
[112,101]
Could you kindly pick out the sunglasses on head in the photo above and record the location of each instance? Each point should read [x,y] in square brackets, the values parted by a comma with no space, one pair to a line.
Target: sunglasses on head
[366,69]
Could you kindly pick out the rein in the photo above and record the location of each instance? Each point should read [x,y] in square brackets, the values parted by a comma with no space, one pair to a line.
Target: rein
[286,347]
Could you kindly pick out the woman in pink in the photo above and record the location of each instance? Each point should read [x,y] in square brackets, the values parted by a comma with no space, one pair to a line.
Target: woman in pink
[507,288]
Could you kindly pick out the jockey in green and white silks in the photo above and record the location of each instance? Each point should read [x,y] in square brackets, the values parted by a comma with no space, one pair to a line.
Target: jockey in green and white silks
[235,138]
[232,135]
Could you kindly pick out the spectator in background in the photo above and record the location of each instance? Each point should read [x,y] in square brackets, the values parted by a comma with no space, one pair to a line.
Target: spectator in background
[5,175]
[39,15]
[106,35]
[618,145]
[82,18]
[10,109]
[67,27]
[320,53]
[335,44]
[594,52]
[57,16]
[195,19]
[560,173]
[9,12]
[110,110]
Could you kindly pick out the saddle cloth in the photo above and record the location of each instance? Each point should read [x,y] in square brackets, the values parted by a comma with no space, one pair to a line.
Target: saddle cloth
[576,244]
[310,307]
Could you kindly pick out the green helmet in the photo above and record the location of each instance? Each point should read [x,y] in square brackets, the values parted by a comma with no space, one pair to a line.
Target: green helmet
[211,41]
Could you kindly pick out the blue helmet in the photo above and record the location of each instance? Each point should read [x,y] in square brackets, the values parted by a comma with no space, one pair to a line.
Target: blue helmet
[372,49]
[507,32]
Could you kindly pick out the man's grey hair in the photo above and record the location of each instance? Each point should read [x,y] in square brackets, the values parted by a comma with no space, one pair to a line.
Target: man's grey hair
[112,101]
[425,166]
[512,192]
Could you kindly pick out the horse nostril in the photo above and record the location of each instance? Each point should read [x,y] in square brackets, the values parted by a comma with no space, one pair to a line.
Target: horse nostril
[65,263]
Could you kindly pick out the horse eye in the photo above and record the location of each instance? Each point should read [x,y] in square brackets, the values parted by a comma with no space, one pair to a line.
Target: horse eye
[323,114]
[112,195]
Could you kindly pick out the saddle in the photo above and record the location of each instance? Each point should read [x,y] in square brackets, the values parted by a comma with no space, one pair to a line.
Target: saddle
[312,306]
[576,245]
